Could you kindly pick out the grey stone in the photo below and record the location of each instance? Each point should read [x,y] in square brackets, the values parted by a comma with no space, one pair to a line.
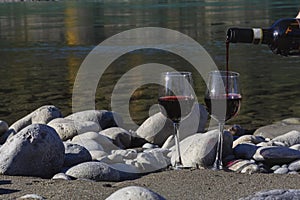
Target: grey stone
[250,169]
[31,196]
[281,170]
[105,119]
[274,194]
[292,120]
[90,145]
[245,151]
[67,128]
[98,155]
[276,155]
[275,167]
[248,139]
[61,176]
[273,130]
[126,153]
[199,150]
[149,146]
[157,128]
[36,150]
[296,147]
[75,154]
[288,139]
[119,136]
[294,166]
[135,193]
[42,115]
[100,139]
[3,127]
[151,161]
[96,171]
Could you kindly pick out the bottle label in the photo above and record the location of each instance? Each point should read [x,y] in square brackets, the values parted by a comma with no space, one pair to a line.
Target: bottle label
[257,35]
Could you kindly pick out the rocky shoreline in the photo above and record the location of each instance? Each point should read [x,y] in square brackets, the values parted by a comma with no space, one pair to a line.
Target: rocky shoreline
[92,145]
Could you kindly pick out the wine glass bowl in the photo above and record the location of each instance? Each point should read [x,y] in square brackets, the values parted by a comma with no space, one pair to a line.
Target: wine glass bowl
[223,102]
[177,98]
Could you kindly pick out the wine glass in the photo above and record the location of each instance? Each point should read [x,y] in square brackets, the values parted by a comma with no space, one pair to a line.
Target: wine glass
[223,101]
[176,98]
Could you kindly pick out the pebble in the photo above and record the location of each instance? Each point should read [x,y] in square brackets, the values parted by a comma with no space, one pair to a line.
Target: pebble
[119,136]
[288,139]
[135,193]
[199,150]
[105,119]
[106,144]
[36,150]
[294,166]
[245,150]
[274,194]
[3,127]
[276,155]
[42,115]
[31,196]
[67,128]
[281,170]
[97,171]
[61,176]
[75,154]
[248,139]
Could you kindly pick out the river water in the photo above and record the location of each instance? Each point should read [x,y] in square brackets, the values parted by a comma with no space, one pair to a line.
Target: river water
[43,44]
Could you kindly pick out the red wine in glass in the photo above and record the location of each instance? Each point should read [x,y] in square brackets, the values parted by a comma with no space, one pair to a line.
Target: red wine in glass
[176,107]
[233,104]
[176,97]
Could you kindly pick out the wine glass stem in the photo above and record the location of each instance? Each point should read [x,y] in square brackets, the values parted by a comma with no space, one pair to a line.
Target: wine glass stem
[218,162]
[178,162]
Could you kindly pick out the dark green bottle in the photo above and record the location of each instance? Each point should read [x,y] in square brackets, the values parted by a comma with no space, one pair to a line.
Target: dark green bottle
[283,37]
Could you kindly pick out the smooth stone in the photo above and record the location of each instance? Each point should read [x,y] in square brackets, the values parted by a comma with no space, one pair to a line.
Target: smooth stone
[245,150]
[149,146]
[135,193]
[61,176]
[105,119]
[94,170]
[67,128]
[42,115]
[32,196]
[90,145]
[151,161]
[3,127]
[289,139]
[36,150]
[292,120]
[102,140]
[273,130]
[275,167]
[126,153]
[248,139]
[75,154]
[157,128]
[199,150]
[281,170]
[274,194]
[276,155]
[239,165]
[294,166]
[170,142]
[98,155]
[250,169]
[119,136]
[296,147]
[128,169]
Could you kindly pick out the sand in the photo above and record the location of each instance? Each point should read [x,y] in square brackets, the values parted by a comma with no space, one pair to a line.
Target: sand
[180,184]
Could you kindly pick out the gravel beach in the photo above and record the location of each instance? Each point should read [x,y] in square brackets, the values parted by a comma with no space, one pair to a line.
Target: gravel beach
[182,184]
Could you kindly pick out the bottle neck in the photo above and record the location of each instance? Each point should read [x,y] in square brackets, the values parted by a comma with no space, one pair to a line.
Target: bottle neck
[249,35]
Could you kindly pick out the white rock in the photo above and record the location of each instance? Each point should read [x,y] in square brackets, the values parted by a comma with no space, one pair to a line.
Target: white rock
[119,136]
[67,128]
[3,127]
[75,154]
[61,176]
[105,119]
[102,140]
[90,145]
[98,155]
[248,139]
[151,162]
[289,139]
[200,149]
[42,115]
[134,193]
[126,153]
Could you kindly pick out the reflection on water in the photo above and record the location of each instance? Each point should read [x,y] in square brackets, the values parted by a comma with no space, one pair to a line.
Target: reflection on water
[43,44]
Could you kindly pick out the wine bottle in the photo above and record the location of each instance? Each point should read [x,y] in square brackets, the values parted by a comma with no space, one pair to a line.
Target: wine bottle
[283,37]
